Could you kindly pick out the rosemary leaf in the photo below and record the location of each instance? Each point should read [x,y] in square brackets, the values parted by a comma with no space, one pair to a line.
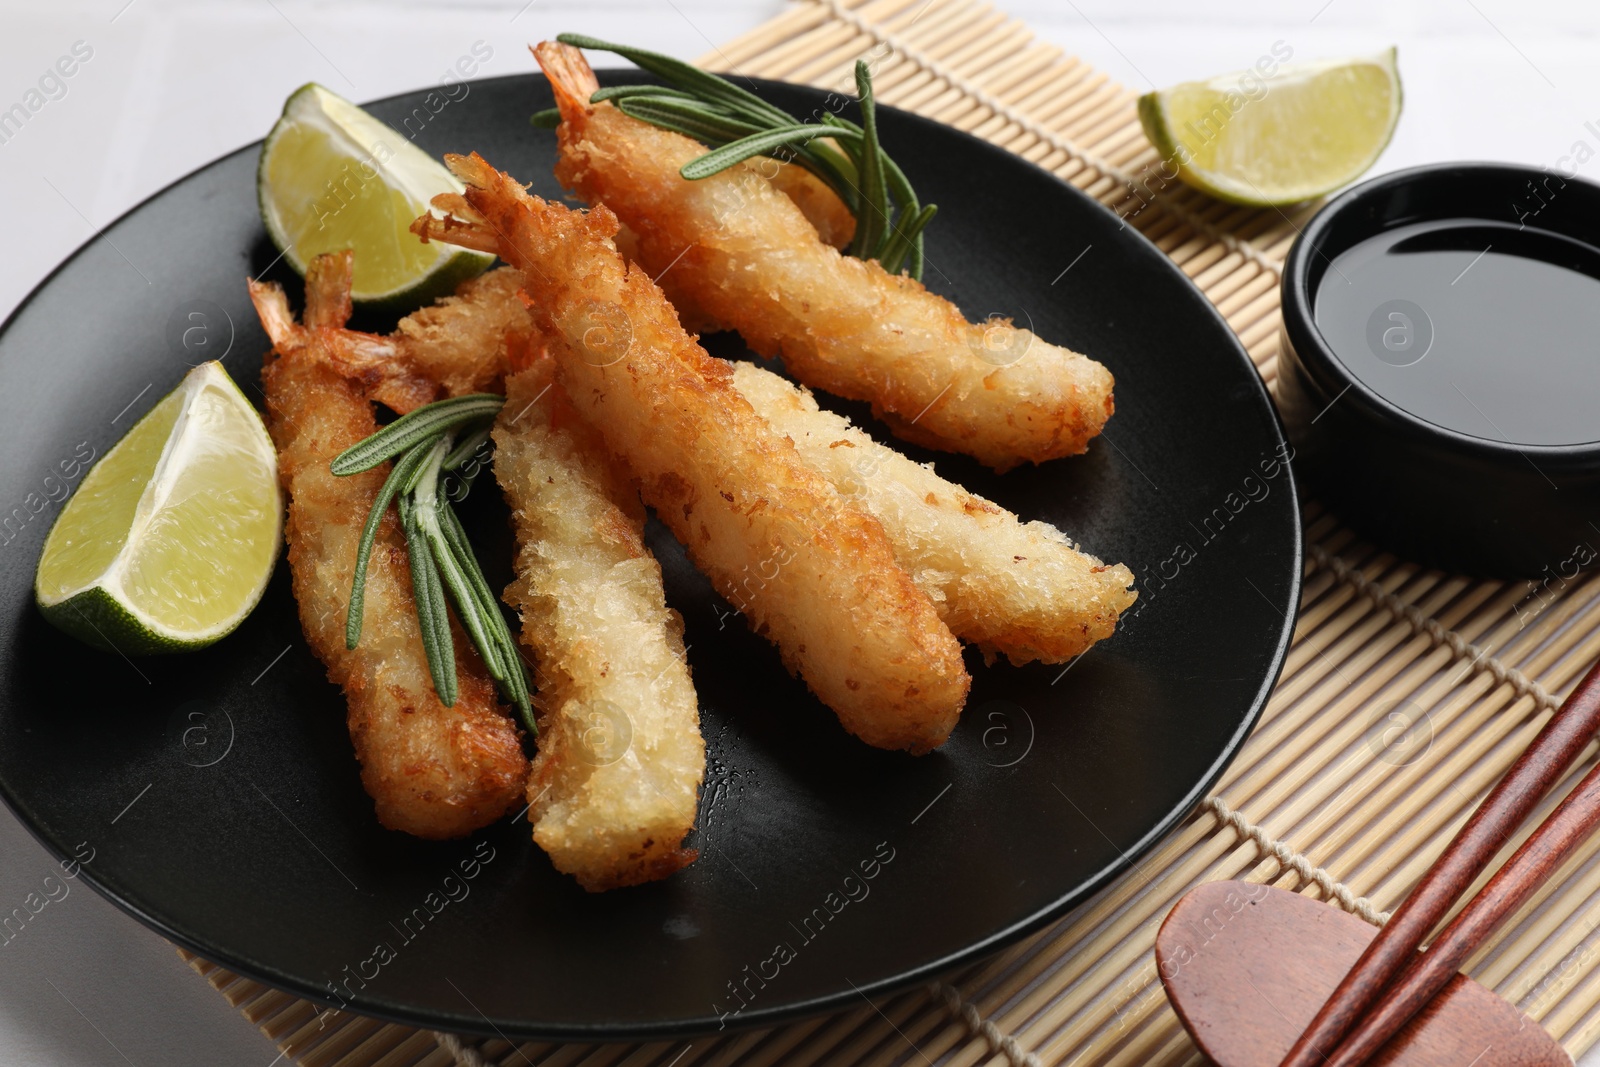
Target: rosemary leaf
[519,682]
[688,118]
[468,447]
[911,219]
[432,618]
[454,581]
[618,92]
[905,198]
[456,536]
[398,475]
[447,566]
[905,238]
[758,144]
[894,251]
[404,432]
[833,166]
[513,683]
[685,76]
[550,117]
[872,221]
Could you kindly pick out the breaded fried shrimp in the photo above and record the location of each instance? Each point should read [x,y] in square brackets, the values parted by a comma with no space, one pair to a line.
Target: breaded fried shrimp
[613,788]
[615,783]
[820,205]
[432,771]
[814,574]
[744,256]
[1021,589]
[1013,588]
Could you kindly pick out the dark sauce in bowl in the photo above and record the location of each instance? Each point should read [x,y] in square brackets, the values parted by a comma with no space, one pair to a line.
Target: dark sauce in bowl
[1439,365]
[1481,327]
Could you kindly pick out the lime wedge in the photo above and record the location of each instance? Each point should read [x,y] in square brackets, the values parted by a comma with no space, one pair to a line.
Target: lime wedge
[170,539]
[1300,134]
[332,177]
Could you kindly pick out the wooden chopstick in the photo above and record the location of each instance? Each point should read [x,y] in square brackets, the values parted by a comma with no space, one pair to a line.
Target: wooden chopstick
[1550,846]
[1466,857]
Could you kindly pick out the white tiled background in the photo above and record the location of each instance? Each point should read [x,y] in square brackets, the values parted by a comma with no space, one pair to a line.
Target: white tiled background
[174,83]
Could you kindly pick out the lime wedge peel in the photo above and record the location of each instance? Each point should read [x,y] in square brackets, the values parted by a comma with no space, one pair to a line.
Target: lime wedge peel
[1308,130]
[172,536]
[332,177]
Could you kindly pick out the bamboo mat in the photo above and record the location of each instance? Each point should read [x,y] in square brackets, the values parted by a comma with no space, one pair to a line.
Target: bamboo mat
[1406,693]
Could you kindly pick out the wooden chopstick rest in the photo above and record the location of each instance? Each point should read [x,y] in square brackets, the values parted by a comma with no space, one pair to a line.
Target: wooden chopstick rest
[1490,827]
[1246,966]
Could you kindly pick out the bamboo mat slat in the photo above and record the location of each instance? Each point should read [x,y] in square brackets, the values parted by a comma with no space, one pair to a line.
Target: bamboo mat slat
[1316,802]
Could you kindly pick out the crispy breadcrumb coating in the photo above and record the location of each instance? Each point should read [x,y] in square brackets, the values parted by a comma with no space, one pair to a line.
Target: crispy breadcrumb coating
[461,341]
[614,785]
[1021,589]
[432,771]
[820,205]
[743,256]
[1013,588]
[812,573]
[459,344]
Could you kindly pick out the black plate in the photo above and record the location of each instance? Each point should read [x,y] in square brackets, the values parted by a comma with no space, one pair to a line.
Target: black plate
[219,796]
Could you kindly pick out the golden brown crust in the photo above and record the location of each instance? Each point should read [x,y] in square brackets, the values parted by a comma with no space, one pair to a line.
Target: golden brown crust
[615,782]
[1017,589]
[432,771]
[820,205]
[609,651]
[814,574]
[744,256]
[461,341]
[1013,588]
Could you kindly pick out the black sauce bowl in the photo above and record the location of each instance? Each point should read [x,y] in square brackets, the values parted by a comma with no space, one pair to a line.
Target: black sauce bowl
[1427,492]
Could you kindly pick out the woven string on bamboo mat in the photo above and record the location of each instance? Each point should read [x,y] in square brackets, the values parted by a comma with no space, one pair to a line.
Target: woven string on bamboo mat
[1406,694]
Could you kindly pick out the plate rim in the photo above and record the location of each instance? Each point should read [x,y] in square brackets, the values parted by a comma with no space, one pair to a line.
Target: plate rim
[483,1026]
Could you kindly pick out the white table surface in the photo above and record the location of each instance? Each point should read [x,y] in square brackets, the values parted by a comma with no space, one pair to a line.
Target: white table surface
[172,84]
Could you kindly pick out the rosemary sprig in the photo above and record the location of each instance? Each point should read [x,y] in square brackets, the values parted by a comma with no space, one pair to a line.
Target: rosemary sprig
[738,125]
[429,442]
[425,422]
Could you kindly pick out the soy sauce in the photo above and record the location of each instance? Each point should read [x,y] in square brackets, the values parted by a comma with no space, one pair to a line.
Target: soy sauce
[1479,327]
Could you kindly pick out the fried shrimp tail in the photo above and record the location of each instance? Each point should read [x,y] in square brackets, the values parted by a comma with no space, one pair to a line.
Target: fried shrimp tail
[615,783]
[454,346]
[432,771]
[744,256]
[812,573]
[1013,588]
[367,361]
